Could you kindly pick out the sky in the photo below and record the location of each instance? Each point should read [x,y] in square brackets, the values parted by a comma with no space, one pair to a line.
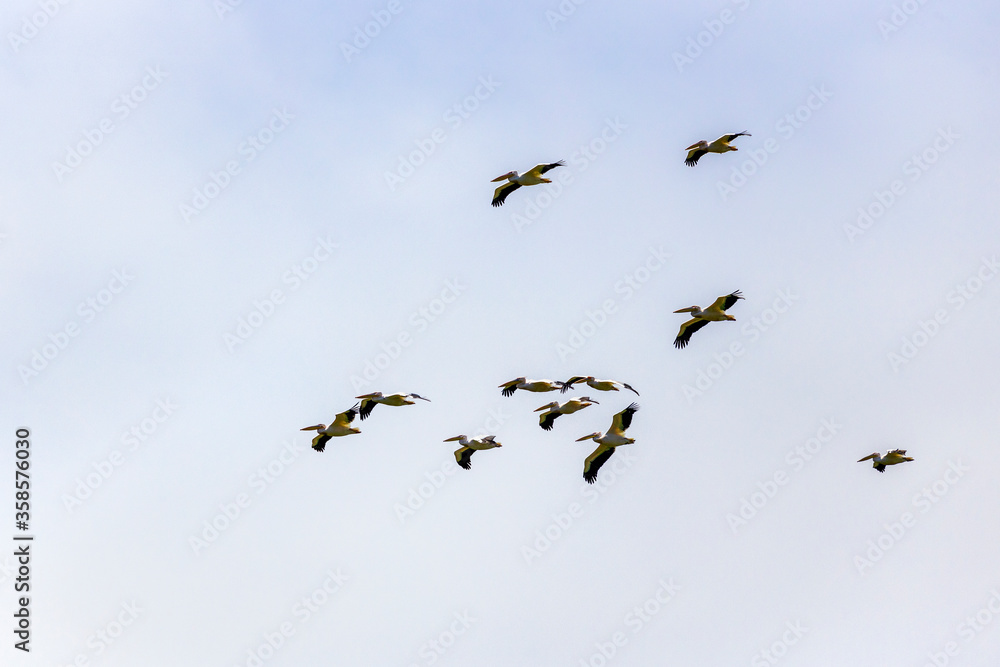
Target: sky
[221,221]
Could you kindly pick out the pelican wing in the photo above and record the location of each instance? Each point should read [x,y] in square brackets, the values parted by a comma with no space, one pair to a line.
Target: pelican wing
[688,328]
[501,193]
[367,405]
[623,419]
[319,442]
[464,457]
[694,155]
[547,419]
[570,382]
[540,169]
[901,452]
[627,386]
[730,137]
[508,388]
[726,302]
[346,417]
[595,461]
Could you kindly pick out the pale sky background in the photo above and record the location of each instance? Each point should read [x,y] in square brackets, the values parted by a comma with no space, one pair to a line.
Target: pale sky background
[836,565]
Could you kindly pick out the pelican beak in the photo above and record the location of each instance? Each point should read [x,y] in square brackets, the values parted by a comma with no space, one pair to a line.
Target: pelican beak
[689,309]
[502,178]
[870,456]
[371,395]
[317,427]
[455,439]
[586,437]
[693,146]
[545,407]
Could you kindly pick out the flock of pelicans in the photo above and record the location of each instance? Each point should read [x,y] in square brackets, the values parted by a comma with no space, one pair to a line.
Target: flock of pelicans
[615,435]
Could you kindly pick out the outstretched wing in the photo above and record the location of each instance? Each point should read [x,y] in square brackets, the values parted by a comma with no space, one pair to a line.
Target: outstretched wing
[367,405]
[595,461]
[464,457]
[730,137]
[688,328]
[693,156]
[623,419]
[726,302]
[347,416]
[570,382]
[547,419]
[629,387]
[501,193]
[540,169]
[319,442]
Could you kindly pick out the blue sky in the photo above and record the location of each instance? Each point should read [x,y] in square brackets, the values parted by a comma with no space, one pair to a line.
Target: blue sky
[221,226]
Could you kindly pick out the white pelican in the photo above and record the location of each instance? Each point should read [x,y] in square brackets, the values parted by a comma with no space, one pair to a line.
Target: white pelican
[599,385]
[341,426]
[720,145]
[369,401]
[615,437]
[514,181]
[469,447]
[714,313]
[555,408]
[530,385]
[892,458]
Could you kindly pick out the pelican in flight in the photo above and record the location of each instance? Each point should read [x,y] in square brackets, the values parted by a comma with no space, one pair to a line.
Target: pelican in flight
[530,385]
[714,313]
[879,462]
[720,145]
[369,401]
[599,385]
[341,426]
[615,437]
[514,180]
[469,447]
[555,408]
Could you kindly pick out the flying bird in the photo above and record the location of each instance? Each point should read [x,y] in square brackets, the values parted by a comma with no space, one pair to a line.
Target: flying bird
[469,447]
[714,313]
[514,180]
[555,408]
[341,426]
[892,458]
[720,145]
[615,437]
[599,385]
[369,401]
[530,385]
